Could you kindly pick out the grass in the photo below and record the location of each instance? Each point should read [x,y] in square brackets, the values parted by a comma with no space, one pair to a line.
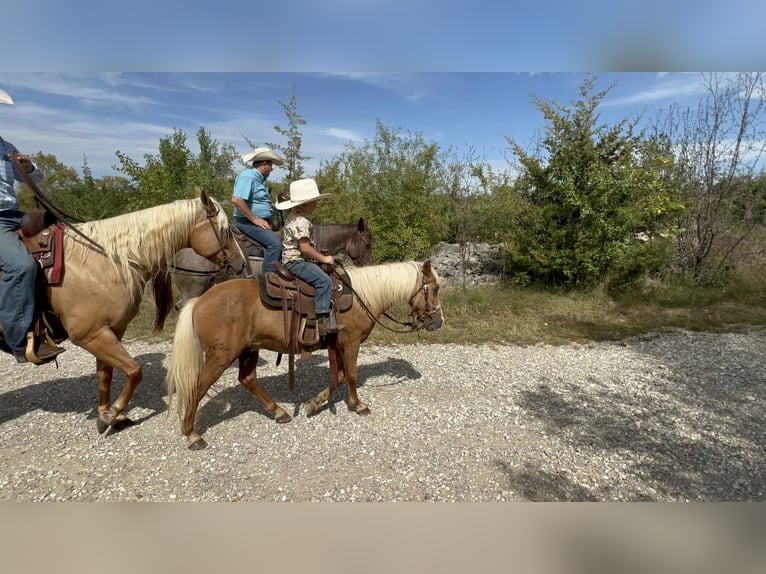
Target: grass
[498,314]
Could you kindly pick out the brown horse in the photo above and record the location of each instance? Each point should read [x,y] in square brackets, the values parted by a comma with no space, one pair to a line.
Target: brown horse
[100,291]
[230,322]
[193,275]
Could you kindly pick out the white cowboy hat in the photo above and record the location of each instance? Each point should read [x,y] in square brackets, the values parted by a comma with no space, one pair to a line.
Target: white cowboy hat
[302,191]
[5,98]
[262,154]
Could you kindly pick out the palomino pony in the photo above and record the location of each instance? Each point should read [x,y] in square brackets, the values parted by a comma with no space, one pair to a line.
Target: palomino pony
[193,275]
[100,291]
[230,322]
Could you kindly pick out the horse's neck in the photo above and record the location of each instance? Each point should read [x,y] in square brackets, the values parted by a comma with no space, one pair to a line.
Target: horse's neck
[386,286]
[332,237]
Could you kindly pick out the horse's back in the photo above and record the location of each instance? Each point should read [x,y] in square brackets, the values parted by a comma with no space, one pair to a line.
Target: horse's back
[230,303]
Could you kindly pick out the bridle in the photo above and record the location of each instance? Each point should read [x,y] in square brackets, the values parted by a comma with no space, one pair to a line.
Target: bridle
[224,266]
[364,239]
[430,309]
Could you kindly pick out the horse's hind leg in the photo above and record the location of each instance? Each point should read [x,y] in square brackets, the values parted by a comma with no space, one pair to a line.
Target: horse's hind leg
[249,378]
[211,371]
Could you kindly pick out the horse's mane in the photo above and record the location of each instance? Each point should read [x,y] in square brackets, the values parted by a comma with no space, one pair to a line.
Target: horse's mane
[331,236]
[143,240]
[380,286]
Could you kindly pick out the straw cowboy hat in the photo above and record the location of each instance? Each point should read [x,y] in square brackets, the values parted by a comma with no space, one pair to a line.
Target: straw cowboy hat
[5,98]
[262,154]
[302,191]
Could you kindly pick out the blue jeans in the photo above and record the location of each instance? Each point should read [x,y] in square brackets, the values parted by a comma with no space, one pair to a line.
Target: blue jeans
[272,244]
[312,274]
[17,289]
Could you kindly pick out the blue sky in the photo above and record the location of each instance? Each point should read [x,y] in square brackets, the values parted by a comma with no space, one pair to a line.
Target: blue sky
[78,115]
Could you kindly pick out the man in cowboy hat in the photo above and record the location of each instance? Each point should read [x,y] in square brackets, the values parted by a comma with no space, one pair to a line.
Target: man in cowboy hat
[298,249]
[252,203]
[17,289]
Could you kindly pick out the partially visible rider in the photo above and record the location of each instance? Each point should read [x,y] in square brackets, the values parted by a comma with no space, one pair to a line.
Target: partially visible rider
[17,289]
[253,206]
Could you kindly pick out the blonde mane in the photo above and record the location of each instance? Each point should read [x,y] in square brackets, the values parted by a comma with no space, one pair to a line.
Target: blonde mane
[140,242]
[381,286]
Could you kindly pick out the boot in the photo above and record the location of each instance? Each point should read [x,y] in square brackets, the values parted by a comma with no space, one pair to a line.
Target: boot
[326,323]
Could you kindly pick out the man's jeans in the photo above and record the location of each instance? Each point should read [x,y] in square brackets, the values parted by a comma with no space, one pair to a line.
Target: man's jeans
[17,289]
[312,274]
[272,244]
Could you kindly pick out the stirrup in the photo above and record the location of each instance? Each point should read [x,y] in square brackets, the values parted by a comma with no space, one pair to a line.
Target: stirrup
[31,352]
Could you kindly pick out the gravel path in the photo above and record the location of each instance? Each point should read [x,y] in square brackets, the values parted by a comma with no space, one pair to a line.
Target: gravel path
[669,416]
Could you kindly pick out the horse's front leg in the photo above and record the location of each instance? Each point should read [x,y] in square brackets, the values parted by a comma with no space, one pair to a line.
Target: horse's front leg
[104,373]
[110,355]
[112,415]
[349,358]
[346,364]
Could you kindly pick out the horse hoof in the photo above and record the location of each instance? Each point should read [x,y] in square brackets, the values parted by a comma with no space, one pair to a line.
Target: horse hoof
[283,418]
[198,444]
[101,426]
[311,408]
[363,410]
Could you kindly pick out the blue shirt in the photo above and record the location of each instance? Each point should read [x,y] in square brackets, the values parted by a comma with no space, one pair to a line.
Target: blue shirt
[250,185]
[8,199]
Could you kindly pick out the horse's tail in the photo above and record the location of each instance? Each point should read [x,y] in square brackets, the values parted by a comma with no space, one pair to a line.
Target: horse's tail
[186,361]
[163,298]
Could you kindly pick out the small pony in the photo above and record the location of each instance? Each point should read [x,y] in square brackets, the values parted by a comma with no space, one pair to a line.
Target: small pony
[230,322]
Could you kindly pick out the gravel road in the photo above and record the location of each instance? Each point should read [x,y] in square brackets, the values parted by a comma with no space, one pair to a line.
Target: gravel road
[670,416]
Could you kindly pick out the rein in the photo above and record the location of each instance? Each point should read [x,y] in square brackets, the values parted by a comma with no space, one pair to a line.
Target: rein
[40,199]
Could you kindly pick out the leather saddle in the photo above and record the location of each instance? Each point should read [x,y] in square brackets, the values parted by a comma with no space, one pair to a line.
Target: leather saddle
[296,298]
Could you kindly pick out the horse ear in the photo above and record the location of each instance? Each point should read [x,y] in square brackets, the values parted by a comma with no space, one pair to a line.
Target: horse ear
[361,226]
[427,268]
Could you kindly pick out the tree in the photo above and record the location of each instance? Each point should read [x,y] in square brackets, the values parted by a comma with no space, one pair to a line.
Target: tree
[176,170]
[292,150]
[718,148]
[466,202]
[582,195]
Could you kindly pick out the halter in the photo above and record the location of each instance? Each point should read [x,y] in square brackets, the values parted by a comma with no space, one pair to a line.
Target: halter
[430,310]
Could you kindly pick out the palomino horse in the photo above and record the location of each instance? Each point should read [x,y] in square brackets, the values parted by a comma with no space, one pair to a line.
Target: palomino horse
[100,291]
[193,275]
[230,322]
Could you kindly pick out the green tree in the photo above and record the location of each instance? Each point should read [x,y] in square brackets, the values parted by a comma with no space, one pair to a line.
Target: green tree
[292,150]
[175,171]
[582,196]
[718,147]
[394,179]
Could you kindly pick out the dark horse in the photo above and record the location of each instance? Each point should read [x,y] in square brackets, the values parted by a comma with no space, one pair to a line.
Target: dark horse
[230,322]
[193,275]
[103,283]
